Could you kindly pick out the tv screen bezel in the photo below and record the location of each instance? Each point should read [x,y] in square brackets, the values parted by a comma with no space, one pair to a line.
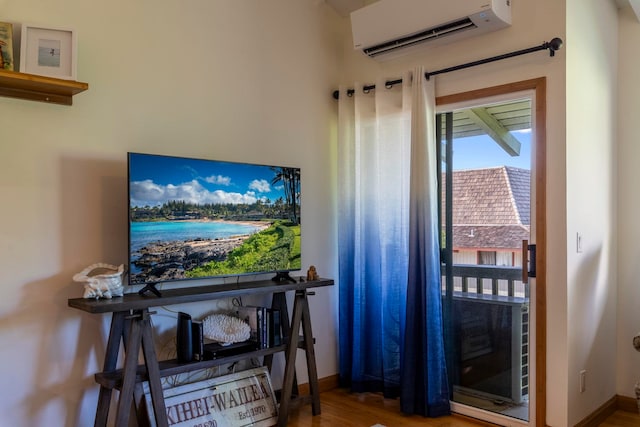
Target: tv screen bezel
[281,274]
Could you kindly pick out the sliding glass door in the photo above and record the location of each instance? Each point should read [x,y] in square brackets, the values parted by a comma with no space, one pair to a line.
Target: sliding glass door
[486,204]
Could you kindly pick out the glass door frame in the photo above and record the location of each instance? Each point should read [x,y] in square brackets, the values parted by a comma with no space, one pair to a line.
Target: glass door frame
[536,90]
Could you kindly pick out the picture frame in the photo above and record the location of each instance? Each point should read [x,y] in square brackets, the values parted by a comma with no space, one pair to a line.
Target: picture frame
[6,46]
[50,52]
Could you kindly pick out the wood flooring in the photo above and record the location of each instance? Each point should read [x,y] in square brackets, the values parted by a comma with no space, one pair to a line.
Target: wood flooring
[622,419]
[343,409]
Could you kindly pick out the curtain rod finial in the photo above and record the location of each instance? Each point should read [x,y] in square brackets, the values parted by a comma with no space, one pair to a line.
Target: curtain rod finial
[555,44]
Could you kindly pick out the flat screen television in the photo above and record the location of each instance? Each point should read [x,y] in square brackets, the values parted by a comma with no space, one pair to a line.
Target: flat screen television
[198,219]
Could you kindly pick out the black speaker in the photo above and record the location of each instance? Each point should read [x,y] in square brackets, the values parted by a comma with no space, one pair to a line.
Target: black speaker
[184,338]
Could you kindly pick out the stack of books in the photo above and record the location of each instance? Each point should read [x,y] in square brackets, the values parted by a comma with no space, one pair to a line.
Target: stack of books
[265,324]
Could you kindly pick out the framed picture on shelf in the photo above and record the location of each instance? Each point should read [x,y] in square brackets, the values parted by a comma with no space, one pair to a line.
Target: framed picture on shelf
[242,399]
[6,46]
[50,52]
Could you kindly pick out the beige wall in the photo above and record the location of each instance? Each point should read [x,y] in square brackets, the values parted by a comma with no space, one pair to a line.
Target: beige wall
[231,80]
[628,361]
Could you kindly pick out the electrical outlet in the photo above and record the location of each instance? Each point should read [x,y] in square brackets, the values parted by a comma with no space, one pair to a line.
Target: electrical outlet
[583,381]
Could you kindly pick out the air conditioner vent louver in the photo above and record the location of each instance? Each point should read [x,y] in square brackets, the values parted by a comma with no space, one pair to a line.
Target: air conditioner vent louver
[387,29]
[432,33]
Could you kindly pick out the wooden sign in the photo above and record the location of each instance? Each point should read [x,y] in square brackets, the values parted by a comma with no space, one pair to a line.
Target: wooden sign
[242,399]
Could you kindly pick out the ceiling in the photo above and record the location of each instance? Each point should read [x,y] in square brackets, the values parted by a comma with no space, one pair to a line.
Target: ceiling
[345,7]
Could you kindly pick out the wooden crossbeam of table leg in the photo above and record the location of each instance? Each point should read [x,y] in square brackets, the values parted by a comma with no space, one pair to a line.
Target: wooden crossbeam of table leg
[153,372]
[312,370]
[110,360]
[129,372]
[300,317]
[290,368]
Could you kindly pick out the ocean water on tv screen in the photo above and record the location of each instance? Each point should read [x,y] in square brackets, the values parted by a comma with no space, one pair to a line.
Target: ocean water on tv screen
[143,233]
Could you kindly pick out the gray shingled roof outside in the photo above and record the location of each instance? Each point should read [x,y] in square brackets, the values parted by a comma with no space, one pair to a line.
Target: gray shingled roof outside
[491,208]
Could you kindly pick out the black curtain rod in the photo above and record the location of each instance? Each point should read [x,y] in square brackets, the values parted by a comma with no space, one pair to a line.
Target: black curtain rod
[554,45]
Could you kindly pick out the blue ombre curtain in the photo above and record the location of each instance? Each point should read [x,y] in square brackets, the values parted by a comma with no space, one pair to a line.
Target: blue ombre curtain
[374,157]
[390,322]
[424,383]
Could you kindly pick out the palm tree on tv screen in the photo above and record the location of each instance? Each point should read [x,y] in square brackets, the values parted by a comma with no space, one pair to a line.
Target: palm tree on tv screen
[290,179]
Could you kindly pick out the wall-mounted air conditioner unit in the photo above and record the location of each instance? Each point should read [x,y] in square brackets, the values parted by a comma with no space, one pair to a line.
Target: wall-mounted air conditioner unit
[491,341]
[389,28]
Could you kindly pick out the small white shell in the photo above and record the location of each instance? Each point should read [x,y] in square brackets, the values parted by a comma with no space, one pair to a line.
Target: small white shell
[101,280]
[225,329]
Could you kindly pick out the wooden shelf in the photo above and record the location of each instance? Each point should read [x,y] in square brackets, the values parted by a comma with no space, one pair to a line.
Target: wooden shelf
[135,301]
[39,88]
[113,379]
[171,367]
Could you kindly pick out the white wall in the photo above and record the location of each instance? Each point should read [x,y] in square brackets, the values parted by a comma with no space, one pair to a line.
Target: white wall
[592,66]
[628,360]
[233,80]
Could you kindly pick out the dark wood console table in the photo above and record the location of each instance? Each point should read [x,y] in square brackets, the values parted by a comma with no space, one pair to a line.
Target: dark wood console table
[131,325]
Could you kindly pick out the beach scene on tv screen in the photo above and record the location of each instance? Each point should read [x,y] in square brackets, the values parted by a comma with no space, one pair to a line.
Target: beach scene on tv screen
[195,218]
